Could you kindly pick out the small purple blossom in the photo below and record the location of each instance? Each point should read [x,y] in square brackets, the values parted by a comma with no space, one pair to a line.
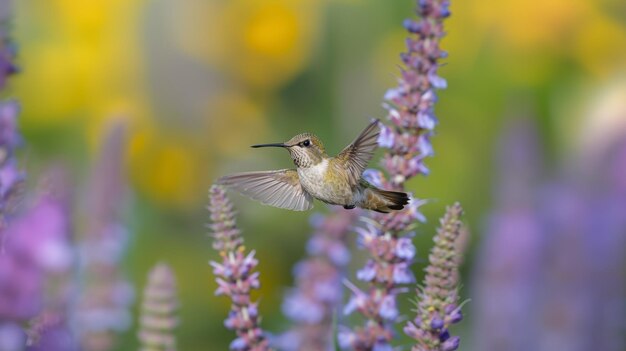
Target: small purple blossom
[453,314]
[411,26]
[345,337]
[405,248]
[358,301]
[436,81]
[451,344]
[424,146]
[336,251]
[402,273]
[368,272]
[302,309]
[436,323]
[426,120]
[382,345]
[386,137]
[392,94]
[388,309]
[235,275]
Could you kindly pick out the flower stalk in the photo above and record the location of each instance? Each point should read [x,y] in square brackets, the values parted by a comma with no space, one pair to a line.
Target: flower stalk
[410,108]
[103,304]
[158,311]
[312,304]
[438,307]
[235,275]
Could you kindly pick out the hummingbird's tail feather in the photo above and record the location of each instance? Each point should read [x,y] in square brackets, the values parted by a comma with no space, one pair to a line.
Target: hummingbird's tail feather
[385,201]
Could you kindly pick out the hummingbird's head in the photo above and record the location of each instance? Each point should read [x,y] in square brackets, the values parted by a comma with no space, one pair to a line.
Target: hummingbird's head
[305,149]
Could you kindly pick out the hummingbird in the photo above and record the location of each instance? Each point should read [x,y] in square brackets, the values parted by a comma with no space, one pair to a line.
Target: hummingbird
[334,180]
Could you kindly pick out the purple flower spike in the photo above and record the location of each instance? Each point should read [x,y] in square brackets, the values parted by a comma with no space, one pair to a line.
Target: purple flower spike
[158,311]
[438,298]
[410,109]
[7,49]
[36,246]
[235,274]
[35,270]
[312,304]
[103,305]
[11,178]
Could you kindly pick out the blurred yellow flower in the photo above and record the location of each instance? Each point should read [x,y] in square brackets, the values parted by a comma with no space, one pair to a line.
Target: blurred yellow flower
[274,40]
[79,58]
[48,93]
[272,31]
[521,25]
[262,43]
[172,173]
[600,45]
[170,169]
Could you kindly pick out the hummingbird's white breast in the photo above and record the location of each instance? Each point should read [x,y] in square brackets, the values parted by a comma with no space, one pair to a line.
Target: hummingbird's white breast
[315,181]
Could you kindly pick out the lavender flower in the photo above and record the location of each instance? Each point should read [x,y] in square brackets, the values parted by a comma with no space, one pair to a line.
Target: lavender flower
[410,110]
[103,304]
[36,245]
[50,329]
[10,178]
[235,275]
[158,311]
[559,247]
[438,306]
[35,255]
[511,256]
[33,269]
[50,332]
[312,304]
[12,337]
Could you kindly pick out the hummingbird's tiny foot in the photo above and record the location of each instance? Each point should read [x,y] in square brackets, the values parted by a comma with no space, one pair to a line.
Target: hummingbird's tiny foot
[349,207]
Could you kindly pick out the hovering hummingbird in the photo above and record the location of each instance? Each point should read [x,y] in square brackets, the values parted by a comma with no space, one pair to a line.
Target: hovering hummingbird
[334,180]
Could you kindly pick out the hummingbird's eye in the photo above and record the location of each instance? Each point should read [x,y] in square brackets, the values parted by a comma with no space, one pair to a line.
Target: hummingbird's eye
[306,143]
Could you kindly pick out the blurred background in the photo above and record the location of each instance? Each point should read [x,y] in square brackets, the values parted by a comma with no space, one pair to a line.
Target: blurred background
[528,141]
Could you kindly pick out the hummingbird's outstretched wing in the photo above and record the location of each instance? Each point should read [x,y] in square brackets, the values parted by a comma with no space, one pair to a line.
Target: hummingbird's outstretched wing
[275,188]
[358,154]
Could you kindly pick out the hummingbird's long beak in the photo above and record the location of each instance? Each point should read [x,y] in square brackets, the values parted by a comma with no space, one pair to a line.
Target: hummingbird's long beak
[268,145]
